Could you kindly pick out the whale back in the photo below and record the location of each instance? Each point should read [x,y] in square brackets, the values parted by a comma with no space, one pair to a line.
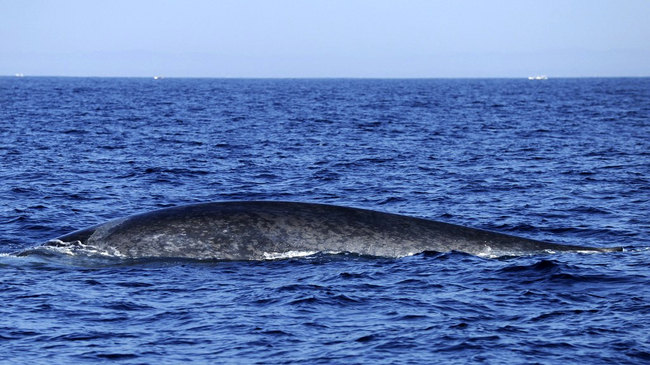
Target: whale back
[260,230]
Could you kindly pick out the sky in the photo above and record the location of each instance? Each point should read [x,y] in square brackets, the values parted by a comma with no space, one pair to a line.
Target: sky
[325,38]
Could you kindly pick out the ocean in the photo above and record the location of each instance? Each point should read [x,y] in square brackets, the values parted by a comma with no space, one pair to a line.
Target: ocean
[559,160]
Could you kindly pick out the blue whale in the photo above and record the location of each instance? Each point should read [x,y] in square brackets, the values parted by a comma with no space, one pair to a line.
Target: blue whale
[257,230]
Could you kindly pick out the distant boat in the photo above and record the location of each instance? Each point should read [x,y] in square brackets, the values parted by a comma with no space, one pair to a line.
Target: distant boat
[158,77]
[20,75]
[540,77]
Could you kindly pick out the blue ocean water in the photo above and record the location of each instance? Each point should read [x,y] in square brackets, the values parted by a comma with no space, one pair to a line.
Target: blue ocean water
[561,160]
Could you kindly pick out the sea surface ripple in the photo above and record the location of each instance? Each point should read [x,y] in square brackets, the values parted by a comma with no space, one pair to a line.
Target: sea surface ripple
[561,160]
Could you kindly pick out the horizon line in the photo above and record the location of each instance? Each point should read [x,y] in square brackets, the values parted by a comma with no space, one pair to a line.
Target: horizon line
[162,77]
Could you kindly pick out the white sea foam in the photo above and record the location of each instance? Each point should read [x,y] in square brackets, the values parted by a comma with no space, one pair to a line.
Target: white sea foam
[77,248]
[287,255]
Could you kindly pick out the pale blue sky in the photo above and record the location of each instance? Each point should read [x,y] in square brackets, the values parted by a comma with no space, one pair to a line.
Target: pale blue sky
[318,38]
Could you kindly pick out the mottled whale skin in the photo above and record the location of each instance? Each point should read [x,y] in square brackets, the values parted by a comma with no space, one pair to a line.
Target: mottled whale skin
[254,230]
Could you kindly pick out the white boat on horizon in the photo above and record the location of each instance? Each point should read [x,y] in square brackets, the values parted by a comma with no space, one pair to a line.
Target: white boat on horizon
[539,77]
